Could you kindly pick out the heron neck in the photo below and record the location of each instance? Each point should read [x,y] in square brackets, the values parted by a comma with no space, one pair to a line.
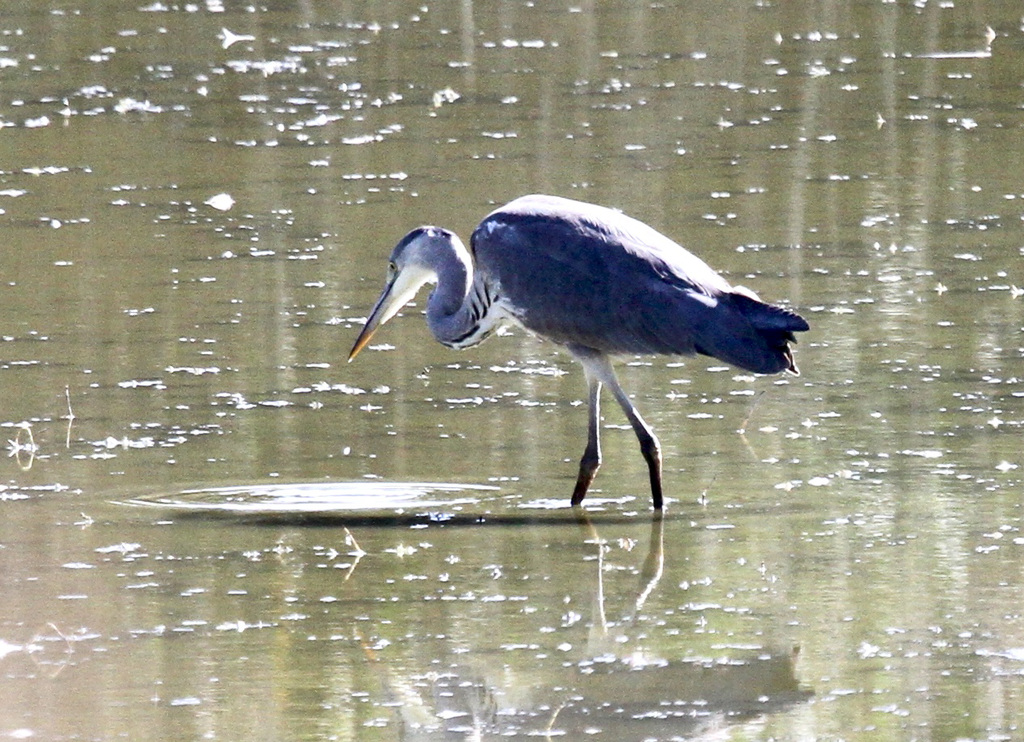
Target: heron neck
[449,309]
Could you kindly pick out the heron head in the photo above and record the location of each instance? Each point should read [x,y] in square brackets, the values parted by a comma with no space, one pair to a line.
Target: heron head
[411,265]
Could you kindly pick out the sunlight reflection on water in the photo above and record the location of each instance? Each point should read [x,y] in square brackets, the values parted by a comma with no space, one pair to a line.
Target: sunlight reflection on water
[320,497]
[197,203]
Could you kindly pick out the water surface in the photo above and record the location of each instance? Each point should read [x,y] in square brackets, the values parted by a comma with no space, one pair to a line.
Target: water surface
[215,528]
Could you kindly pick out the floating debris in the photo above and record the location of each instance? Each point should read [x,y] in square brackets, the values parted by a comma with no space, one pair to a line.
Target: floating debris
[220,202]
[229,38]
[446,95]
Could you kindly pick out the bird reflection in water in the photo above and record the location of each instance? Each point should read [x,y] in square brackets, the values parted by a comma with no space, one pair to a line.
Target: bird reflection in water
[609,691]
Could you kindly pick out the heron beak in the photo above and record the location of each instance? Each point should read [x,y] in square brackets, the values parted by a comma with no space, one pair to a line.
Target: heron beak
[399,291]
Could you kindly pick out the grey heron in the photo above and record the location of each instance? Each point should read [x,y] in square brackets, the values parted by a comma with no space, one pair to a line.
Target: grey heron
[595,281]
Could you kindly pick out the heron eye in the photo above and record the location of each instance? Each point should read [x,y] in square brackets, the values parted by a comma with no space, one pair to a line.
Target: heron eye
[392,269]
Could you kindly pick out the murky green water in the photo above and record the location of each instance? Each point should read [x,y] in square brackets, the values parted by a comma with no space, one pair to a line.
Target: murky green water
[212,527]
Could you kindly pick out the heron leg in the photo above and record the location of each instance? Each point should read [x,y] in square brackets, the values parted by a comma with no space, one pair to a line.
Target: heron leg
[591,460]
[599,370]
[650,447]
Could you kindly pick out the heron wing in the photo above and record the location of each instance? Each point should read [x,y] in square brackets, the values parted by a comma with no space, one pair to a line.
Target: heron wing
[585,274]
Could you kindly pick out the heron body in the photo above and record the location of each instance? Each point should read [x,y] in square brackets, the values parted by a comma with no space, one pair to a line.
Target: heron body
[595,281]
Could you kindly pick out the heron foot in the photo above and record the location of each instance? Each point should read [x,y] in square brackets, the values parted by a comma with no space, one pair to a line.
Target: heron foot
[589,465]
[656,497]
[651,450]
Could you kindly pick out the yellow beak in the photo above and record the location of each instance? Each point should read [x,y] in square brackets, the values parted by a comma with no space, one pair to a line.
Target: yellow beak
[399,291]
[378,316]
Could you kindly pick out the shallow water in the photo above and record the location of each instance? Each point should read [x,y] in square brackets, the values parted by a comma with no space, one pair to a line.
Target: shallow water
[213,527]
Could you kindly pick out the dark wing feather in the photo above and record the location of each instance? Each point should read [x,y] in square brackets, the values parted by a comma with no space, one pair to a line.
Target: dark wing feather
[584,274]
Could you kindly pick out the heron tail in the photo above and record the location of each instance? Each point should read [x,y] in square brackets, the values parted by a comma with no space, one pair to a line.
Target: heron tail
[775,327]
